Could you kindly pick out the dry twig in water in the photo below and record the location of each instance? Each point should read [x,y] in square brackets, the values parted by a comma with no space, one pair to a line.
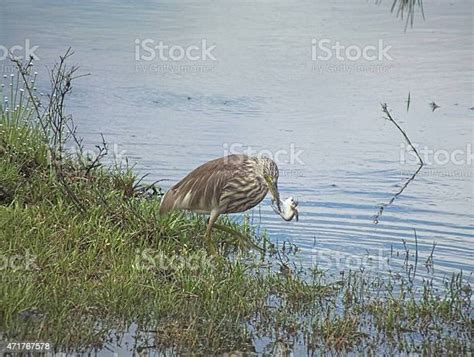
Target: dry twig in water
[389,117]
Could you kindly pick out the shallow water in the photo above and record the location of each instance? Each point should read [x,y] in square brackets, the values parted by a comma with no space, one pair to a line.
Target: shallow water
[265,92]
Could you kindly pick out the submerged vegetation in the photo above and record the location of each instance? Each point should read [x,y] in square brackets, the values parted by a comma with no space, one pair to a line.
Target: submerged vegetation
[86,257]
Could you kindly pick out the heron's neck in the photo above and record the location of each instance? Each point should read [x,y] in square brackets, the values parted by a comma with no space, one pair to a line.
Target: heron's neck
[259,166]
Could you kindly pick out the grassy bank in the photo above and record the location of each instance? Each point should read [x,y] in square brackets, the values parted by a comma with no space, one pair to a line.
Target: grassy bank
[85,256]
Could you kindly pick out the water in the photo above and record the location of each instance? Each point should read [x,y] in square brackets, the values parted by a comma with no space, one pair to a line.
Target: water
[265,92]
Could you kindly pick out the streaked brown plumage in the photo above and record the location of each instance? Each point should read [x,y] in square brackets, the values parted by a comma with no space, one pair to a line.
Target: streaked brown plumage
[230,184]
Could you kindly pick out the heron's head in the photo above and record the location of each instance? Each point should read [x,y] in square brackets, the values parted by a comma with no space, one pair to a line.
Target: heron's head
[270,173]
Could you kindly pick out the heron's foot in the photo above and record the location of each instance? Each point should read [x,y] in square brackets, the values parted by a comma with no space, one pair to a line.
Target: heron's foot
[241,240]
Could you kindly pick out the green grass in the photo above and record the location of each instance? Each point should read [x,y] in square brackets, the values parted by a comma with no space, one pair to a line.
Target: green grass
[85,254]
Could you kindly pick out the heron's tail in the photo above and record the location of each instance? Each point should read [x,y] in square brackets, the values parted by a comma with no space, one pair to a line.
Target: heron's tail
[167,203]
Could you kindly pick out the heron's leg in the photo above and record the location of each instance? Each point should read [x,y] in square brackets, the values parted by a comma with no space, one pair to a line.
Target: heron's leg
[242,239]
[210,244]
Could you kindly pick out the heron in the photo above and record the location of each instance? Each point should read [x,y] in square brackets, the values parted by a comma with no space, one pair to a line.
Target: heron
[230,184]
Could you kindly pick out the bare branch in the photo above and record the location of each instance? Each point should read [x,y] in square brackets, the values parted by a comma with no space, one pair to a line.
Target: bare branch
[103,151]
[405,185]
[23,70]
[56,125]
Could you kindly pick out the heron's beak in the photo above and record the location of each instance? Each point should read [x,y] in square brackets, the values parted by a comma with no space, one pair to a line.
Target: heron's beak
[273,187]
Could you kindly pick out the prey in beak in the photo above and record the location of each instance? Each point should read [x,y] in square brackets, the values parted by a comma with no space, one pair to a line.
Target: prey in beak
[287,209]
